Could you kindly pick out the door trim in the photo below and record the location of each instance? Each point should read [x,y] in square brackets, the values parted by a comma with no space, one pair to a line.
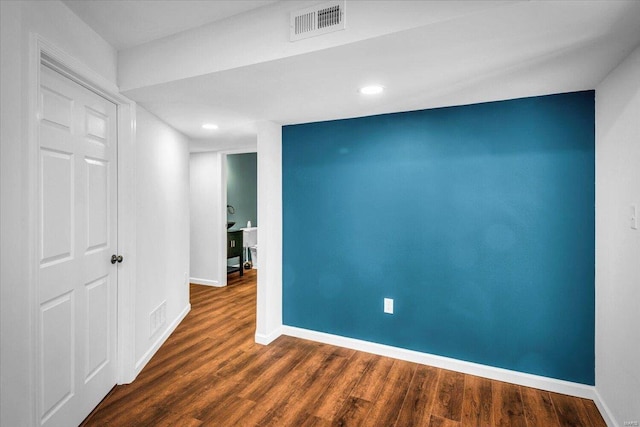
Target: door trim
[43,52]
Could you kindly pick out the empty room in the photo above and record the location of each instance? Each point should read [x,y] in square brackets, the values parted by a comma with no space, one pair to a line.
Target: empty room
[340,212]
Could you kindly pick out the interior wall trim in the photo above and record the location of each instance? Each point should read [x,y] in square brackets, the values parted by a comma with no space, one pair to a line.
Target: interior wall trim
[206,282]
[604,409]
[498,374]
[266,339]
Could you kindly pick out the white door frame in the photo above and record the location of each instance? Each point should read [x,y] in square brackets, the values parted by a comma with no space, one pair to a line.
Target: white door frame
[44,52]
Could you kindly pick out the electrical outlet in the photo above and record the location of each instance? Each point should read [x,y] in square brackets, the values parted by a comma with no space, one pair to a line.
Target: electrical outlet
[388,305]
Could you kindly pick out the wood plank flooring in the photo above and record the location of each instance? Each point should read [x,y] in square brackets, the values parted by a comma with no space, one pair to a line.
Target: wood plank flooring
[211,373]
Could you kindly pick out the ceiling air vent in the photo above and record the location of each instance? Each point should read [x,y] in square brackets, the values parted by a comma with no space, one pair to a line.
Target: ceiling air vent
[320,19]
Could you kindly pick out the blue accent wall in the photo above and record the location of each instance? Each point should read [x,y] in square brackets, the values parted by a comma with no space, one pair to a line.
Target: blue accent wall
[477,220]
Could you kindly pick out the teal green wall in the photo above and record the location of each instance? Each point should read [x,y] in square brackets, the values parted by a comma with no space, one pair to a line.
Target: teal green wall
[478,220]
[242,188]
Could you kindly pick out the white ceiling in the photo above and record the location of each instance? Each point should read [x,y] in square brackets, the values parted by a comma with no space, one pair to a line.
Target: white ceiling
[521,49]
[128,23]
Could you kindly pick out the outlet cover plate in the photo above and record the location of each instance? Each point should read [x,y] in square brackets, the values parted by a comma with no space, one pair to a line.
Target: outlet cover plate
[388,305]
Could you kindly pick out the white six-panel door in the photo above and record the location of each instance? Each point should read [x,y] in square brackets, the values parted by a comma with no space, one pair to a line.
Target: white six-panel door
[76,238]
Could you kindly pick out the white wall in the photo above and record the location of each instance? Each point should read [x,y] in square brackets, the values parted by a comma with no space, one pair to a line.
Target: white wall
[162,230]
[617,245]
[269,294]
[56,23]
[207,222]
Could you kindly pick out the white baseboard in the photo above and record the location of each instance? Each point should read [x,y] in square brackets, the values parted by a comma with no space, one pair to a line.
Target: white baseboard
[206,282]
[604,410]
[499,374]
[266,339]
[142,362]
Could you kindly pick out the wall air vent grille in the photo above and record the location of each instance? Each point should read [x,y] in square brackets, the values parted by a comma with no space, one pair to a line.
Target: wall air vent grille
[329,17]
[305,23]
[320,19]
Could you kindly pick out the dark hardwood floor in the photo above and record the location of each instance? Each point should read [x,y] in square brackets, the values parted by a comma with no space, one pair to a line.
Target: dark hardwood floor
[211,373]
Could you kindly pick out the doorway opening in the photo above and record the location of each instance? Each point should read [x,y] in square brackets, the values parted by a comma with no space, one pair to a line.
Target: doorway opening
[241,172]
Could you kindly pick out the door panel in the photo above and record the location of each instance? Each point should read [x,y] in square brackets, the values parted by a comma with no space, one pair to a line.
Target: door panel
[97,326]
[56,108]
[97,125]
[97,188]
[77,282]
[57,350]
[57,205]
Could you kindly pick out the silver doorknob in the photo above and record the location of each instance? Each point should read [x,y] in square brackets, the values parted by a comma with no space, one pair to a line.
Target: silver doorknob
[116,258]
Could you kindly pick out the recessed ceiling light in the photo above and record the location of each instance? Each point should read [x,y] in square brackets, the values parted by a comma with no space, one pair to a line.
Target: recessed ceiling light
[371,90]
[209,126]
